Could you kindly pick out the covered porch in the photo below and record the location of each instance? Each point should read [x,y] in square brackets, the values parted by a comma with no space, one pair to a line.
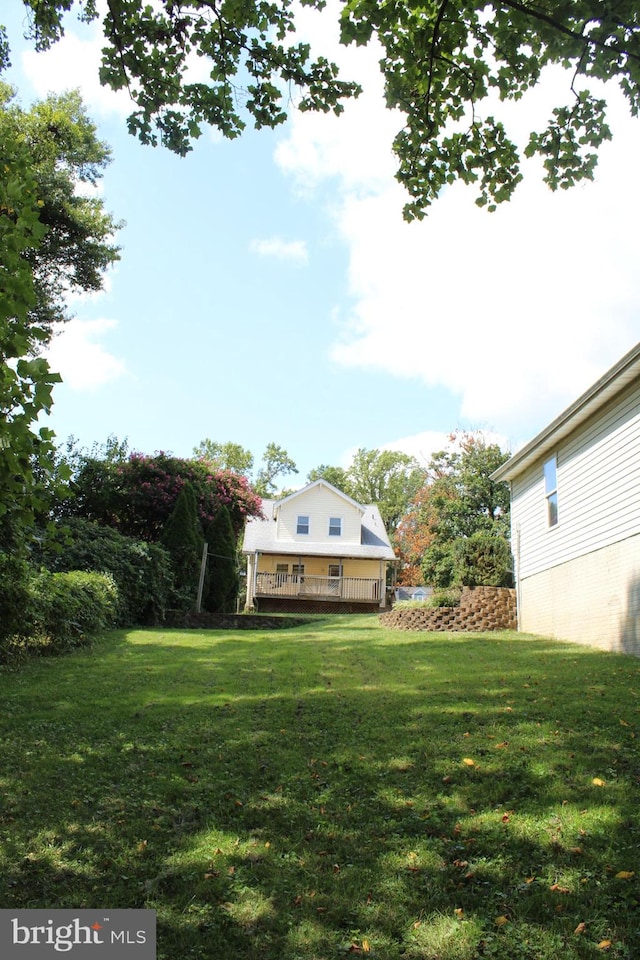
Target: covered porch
[279,580]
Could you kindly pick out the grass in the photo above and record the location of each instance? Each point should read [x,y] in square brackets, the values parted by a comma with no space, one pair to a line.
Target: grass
[328,790]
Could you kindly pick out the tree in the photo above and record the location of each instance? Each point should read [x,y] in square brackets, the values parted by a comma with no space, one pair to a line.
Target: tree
[26,382]
[225,456]
[75,247]
[136,496]
[414,535]
[276,462]
[442,62]
[182,538]
[466,515]
[222,572]
[387,478]
[336,476]
[51,241]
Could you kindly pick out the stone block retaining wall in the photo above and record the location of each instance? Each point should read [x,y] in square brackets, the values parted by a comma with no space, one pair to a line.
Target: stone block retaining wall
[480,609]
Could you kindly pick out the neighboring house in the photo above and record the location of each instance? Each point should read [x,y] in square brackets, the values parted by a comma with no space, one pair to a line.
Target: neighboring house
[316,550]
[413,593]
[575,517]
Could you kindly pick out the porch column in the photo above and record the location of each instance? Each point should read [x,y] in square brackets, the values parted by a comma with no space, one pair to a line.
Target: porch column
[383,585]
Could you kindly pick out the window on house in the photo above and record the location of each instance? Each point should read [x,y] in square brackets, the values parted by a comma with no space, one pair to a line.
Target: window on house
[303,525]
[335,527]
[282,568]
[551,490]
[297,570]
[334,569]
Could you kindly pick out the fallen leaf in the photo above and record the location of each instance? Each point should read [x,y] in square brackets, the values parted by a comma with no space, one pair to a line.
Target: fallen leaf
[625,875]
[604,944]
[558,889]
[469,762]
[597,782]
[459,912]
[580,928]
[365,946]
[500,921]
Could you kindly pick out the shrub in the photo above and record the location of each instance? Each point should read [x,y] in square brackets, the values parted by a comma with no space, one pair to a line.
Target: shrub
[480,560]
[183,540]
[222,580]
[14,596]
[67,609]
[483,560]
[142,571]
[449,597]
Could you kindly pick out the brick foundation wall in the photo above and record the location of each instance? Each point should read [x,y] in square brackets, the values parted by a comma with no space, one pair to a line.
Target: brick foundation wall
[481,609]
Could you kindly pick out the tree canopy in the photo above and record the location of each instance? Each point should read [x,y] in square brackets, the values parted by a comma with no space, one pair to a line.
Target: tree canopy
[275,463]
[446,64]
[52,241]
[456,530]
[136,496]
[75,245]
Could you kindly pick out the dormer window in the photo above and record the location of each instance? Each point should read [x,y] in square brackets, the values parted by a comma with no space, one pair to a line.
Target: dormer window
[303,525]
[335,526]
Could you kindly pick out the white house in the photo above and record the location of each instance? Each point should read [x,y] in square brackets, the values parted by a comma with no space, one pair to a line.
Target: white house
[575,517]
[316,550]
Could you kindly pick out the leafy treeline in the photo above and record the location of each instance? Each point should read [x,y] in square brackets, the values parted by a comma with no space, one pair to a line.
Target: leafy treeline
[446,66]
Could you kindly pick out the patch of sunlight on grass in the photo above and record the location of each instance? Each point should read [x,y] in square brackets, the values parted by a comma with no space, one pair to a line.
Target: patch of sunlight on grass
[249,908]
[307,935]
[420,856]
[444,938]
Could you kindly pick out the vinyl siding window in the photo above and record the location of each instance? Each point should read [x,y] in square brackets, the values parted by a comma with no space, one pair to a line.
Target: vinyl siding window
[335,527]
[282,568]
[551,490]
[334,569]
[303,525]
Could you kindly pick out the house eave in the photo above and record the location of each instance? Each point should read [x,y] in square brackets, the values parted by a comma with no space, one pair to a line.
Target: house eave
[613,382]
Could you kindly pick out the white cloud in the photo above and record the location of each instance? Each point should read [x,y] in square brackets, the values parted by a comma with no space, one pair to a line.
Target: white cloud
[77,354]
[515,312]
[73,63]
[293,250]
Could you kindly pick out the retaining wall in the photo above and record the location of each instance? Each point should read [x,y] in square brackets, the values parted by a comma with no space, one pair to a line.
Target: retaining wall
[480,609]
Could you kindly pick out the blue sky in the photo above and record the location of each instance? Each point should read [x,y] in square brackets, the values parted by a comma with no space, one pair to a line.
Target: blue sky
[269,289]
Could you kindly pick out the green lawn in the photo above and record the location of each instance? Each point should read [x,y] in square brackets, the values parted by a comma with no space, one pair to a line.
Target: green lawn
[330,789]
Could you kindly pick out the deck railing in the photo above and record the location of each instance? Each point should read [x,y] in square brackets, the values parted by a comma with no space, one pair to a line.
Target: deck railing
[338,588]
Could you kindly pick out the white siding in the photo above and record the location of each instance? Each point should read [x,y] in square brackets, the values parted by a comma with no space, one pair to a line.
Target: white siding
[319,504]
[598,492]
[594,599]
